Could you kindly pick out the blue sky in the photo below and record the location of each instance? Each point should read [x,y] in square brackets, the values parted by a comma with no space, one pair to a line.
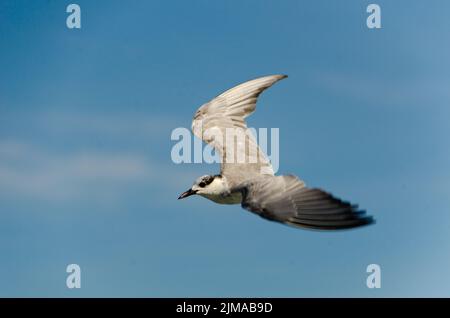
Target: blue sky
[86,175]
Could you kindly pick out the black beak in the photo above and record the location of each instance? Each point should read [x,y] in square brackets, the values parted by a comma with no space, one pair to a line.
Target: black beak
[187,194]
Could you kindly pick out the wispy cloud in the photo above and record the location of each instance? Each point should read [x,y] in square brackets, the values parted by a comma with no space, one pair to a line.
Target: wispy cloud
[84,123]
[42,165]
[31,172]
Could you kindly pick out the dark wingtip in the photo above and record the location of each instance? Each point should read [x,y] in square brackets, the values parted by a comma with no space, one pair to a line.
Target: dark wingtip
[359,219]
[370,220]
[365,219]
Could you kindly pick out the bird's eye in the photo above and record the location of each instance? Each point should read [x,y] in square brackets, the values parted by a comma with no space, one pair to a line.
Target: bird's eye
[202,184]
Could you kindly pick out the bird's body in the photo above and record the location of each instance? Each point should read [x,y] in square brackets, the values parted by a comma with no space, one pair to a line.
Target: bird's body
[225,197]
[247,177]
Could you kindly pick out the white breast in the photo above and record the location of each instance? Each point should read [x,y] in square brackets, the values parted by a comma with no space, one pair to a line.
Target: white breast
[233,198]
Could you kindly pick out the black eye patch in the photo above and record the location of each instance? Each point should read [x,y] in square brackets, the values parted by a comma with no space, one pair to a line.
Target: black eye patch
[206,180]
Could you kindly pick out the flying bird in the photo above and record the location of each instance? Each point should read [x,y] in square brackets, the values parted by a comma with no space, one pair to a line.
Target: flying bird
[251,181]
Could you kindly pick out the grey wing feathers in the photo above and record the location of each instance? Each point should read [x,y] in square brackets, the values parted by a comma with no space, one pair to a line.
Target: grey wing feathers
[239,101]
[285,199]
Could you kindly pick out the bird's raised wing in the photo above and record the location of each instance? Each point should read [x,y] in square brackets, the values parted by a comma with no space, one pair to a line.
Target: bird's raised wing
[286,199]
[221,123]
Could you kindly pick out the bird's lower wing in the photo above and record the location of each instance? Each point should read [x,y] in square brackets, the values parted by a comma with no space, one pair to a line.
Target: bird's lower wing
[286,199]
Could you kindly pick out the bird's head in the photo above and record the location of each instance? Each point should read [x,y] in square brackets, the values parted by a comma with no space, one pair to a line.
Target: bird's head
[205,185]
